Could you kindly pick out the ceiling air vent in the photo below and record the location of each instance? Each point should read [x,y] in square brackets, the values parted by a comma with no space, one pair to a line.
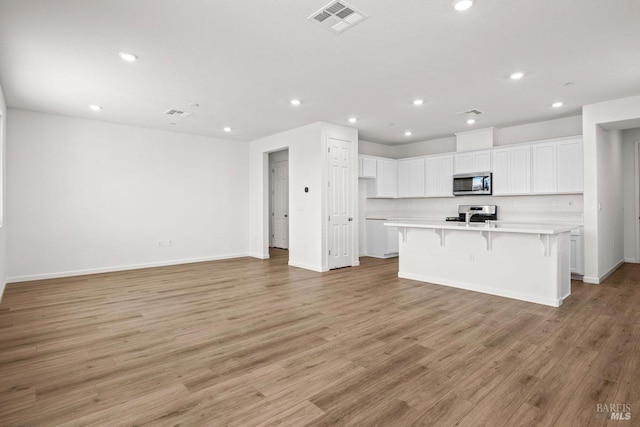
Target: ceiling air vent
[337,16]
[173,112]
[472,112]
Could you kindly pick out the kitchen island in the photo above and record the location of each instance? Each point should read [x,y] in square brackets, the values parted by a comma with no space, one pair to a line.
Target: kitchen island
[528,262]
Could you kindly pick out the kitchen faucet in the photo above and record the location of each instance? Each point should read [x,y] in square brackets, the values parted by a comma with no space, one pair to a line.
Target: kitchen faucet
[467,216]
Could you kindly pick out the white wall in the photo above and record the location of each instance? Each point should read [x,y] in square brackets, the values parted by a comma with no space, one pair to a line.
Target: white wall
[374,149]
[610,201]
[600,207]
[305,232]
[88,196]
[3,186]
[630,189]
[307,210]
[549,129]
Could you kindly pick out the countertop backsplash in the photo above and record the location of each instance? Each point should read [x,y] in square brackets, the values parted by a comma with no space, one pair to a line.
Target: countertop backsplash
[559,209]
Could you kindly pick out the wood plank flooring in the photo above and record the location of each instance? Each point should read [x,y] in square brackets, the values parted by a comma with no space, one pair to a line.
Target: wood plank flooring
[254,342]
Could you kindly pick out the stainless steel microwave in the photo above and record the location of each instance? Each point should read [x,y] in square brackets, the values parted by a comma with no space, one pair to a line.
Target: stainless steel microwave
[472,184]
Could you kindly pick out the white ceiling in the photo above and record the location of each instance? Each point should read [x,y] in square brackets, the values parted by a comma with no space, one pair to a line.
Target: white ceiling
[242,60]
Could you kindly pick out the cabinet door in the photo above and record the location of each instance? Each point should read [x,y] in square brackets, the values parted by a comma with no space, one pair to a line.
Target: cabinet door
[360,171]
[544,168]
[432,177]
[463,163]
[445,178]
[376,238]
[475,161]
[574,254]
[519,170]
[387,178]
[391,240]
[481,161]
[411,178]
[501,171]
[368,167]
[570,166]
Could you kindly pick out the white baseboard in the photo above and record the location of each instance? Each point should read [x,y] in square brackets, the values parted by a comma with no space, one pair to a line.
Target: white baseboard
[610,272]
[631,260]
[2,287]
[597,280]
[257,255]
[308,267]
[56,275]
[484,289]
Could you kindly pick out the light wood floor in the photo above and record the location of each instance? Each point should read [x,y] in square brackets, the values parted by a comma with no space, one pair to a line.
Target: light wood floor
[248,342]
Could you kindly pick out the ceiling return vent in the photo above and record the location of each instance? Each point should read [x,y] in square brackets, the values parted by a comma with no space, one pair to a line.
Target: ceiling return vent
[337,17]
[472,112]
[173,112]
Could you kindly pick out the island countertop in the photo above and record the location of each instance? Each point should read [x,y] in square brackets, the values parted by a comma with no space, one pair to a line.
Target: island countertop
[501,227]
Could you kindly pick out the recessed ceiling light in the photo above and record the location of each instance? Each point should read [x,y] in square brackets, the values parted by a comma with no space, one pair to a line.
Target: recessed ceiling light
[295,102]
[194,104]
[407,133]
[471,121]
[557,104]
[418,102]
[95,107]
[129,57]
[172,123]
[461,5]
[352,119]
[517,75]
[227,129]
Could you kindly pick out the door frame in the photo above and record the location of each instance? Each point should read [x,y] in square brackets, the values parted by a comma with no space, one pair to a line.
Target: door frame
[268,187]
[271,200]
[636,191]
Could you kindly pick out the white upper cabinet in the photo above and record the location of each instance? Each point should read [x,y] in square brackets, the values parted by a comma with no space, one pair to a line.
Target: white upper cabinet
[439,176]
[386,183]
[545,167]
[411,177]
[512,170]
[367,167]
[472,161]
[570,166]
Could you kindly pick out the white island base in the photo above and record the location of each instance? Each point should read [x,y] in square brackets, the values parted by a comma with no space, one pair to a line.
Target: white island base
[524,262]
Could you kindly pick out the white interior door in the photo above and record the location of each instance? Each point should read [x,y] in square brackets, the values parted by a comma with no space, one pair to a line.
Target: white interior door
[280,204]
[340,203]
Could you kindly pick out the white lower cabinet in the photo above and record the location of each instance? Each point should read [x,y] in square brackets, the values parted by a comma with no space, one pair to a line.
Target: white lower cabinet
[577,257]
[382,242]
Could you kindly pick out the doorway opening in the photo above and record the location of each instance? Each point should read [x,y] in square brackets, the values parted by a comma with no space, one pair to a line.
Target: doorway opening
[279,199]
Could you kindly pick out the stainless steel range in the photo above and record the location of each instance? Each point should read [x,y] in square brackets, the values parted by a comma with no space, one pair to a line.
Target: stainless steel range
[475,213]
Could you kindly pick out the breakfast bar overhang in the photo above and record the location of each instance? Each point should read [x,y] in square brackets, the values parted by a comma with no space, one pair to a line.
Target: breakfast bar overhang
[528,262]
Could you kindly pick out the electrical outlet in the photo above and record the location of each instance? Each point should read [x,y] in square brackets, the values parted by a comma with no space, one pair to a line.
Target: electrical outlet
[471,258]
[159,243]
[170,242]
[554,203]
